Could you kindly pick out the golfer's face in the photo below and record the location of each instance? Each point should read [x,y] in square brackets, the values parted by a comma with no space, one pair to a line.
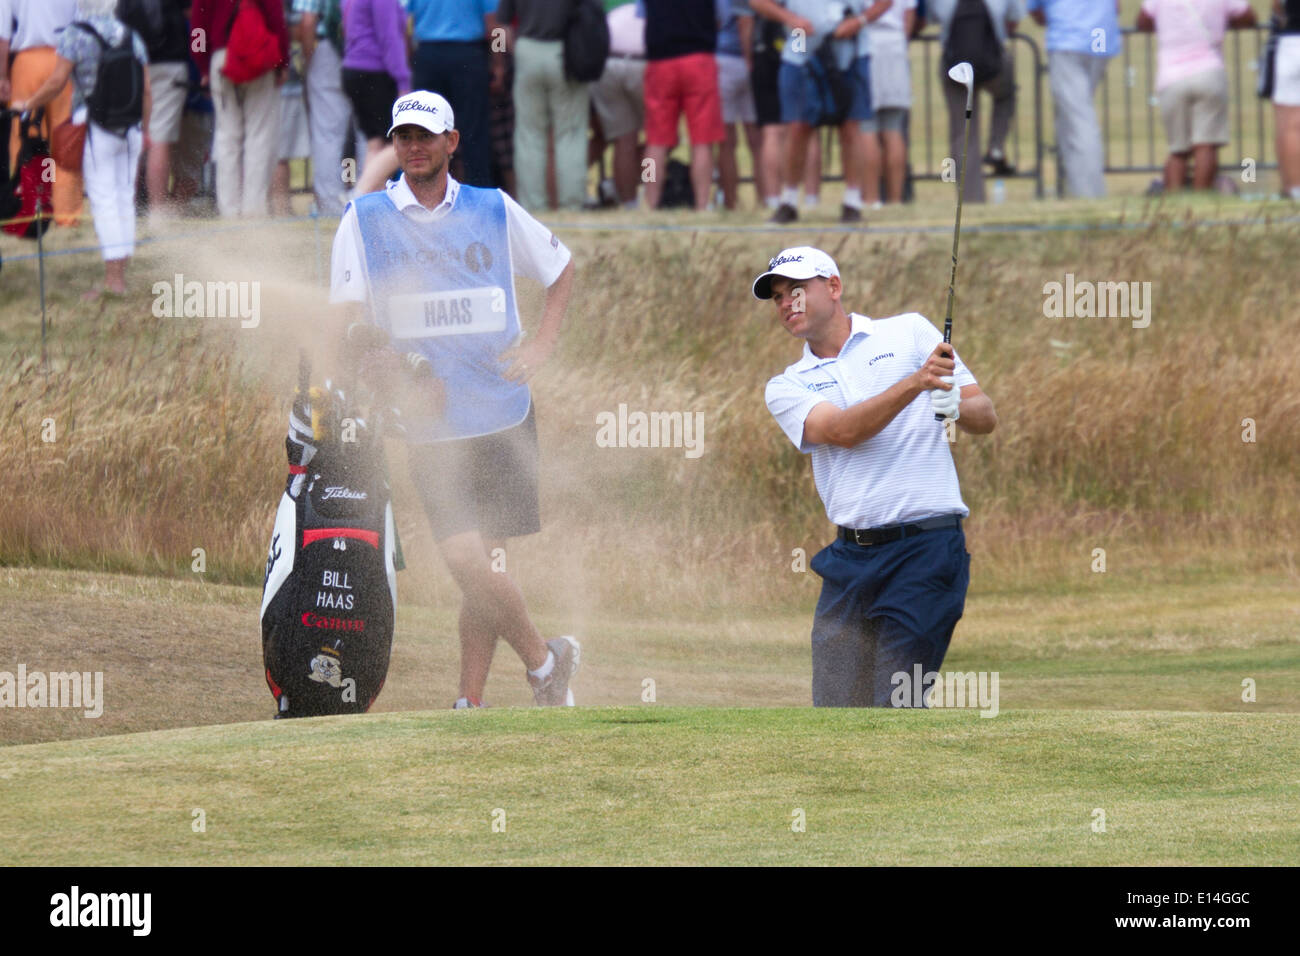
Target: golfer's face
[803,305]
[421,154]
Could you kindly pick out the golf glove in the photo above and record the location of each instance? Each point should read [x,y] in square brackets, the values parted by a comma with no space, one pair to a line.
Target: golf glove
[945,403]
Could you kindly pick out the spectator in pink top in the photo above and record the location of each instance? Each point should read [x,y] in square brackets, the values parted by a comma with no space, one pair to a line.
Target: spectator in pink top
[1192,81]
[376,70]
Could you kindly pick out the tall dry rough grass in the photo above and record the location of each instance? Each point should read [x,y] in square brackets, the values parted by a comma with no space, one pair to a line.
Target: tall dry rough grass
[1114,437]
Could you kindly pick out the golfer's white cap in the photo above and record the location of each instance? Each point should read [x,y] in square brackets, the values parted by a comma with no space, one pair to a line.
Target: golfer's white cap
[798,262]
[425,109]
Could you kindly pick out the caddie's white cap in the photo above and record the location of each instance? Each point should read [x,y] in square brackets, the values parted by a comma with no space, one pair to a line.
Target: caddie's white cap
[799,262]
[425,109]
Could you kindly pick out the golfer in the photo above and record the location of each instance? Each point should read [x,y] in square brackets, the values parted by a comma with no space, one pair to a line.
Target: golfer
[862,401]
[432,262]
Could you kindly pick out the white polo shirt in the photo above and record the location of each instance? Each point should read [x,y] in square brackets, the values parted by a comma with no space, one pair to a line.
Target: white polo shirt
[535,252]
[903,473]
[39,22]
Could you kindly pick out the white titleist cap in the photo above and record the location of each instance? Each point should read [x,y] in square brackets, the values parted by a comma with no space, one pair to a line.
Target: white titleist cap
[425,109]
[799,262]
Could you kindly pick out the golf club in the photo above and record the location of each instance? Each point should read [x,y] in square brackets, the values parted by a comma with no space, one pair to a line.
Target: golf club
[964,74]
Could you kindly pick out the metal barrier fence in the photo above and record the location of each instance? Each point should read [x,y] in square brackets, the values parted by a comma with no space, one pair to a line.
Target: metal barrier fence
[1128,112]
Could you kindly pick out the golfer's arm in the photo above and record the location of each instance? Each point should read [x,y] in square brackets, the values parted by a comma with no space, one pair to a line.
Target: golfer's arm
[4,61]
[977,414]
[847,427]
[557,304]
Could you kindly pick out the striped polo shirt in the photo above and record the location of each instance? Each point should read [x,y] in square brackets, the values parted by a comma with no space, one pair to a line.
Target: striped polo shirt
[903,473]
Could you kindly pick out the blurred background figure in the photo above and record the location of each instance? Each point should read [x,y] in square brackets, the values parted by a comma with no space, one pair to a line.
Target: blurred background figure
[329,111]
[891,92]
[1192,81]
[735,62]
[681,79]
[1082,36]
[111,156]
[295,137]
[36,27]
[1286,97]
[619,96]
[1004,15]
[164,25]
[376,68]
[453,58]
[547,101]
[246,135]
[769,39]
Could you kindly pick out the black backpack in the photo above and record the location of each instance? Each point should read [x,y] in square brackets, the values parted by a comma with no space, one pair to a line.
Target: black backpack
[972,39]
[145,17]
[117,101]
[831,84]
[586,42]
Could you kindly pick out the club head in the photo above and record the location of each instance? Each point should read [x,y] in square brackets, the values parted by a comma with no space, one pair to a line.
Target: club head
[964,74]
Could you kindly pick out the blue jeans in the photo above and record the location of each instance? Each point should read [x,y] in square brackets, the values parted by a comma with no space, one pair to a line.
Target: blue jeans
[882,610]
[459,72]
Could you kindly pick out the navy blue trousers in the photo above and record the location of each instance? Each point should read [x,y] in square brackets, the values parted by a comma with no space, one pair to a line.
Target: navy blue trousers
[882,610]
[460,72]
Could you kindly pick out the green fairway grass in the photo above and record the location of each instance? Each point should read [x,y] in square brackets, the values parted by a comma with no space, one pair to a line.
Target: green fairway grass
[666,785]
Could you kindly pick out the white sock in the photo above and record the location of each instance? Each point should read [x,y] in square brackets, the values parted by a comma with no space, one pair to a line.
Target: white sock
[771,202]
[544,671]
[790,196]
[812,201]
[853,198]
[1295,192]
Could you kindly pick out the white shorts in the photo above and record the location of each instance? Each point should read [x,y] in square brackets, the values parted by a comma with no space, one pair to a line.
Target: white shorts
[169,85]
[1286,86]
[736,91]
[891,80]
[619,96]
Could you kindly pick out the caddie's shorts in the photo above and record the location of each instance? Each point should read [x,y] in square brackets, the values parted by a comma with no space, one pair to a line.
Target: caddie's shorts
[883,610]
[486,484]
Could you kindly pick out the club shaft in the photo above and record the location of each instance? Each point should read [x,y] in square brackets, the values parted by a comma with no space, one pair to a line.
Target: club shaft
[956,234]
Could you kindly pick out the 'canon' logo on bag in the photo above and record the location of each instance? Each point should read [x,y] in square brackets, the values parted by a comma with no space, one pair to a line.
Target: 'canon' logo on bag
[332,623]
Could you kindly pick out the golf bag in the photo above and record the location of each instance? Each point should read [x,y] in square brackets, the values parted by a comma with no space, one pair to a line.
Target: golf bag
[331,571]
[31,182]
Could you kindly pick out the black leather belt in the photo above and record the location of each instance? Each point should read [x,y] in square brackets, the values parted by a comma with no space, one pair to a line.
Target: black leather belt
[866,537]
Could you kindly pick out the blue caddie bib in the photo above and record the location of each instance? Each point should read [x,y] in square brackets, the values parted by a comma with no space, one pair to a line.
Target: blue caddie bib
[446,290]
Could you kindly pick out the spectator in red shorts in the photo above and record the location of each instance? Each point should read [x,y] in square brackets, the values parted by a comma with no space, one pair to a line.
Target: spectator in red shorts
[681,76]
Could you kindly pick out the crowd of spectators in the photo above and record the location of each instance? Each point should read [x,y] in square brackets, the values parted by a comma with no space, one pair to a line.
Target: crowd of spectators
[733,74]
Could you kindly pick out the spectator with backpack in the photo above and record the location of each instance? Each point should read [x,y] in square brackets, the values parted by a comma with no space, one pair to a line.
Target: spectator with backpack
[976,32]
[38,24]
[1082,36]
[822,84]
[547,98]
[164,25]
[108,64]
[244,61]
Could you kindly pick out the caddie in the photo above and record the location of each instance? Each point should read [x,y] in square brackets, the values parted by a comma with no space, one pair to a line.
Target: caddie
[862,401]
[433,262]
